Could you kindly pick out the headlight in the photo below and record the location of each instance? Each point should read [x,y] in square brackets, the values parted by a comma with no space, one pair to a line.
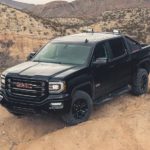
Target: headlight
[57,87]
[2,79]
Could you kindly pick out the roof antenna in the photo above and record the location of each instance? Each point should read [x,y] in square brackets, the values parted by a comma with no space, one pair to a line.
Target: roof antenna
[92,30]
[88,30]
[86,41]
[117,32]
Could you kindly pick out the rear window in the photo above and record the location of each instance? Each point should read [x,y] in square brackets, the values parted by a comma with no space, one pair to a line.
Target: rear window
[134,46]
[117,48]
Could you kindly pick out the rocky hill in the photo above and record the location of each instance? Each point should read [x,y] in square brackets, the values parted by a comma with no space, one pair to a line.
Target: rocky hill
[16,4]
[84,8]
[12,20]
[19,34]
[134,22]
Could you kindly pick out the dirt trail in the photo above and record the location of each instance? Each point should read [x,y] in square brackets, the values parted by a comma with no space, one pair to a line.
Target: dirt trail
[122,124]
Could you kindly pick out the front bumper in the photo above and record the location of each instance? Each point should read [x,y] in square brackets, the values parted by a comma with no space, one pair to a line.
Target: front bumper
[61,102]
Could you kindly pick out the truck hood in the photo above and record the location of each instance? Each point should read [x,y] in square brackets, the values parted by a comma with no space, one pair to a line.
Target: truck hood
[39,69]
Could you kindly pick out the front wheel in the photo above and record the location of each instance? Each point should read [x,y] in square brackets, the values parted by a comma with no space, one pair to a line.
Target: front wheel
[81,109]
[140,82]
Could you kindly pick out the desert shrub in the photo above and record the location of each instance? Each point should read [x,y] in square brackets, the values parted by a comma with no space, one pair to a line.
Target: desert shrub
[4,9]
[12,11]
[46,33]
[6,44]
[4,58]
[24,28]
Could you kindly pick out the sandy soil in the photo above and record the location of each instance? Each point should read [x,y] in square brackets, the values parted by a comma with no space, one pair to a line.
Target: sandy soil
[122,124]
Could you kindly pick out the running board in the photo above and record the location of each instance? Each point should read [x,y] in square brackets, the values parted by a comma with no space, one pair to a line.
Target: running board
[112,95]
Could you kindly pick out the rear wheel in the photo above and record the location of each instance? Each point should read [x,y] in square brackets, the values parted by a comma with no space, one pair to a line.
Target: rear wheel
[140,82]
[81,109]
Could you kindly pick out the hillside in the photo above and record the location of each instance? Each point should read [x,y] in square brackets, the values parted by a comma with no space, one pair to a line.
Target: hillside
[133,22]
[19,34]
[84,8]
[16,4]
[12,20]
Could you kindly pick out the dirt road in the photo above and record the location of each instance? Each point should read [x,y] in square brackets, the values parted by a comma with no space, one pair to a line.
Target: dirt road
[122,124]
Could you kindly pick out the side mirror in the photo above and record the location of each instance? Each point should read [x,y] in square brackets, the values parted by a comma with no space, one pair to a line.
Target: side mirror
[31,55]
[100,61]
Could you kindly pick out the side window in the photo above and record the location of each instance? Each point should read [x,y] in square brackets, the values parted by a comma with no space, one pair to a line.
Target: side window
[100,51]
[117,47]
[134,46]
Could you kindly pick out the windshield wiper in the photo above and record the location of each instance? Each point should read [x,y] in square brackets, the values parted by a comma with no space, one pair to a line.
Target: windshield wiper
[48,61]
[58,62]
[36,60]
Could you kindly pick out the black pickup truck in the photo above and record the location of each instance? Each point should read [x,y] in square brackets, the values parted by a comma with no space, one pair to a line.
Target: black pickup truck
[73,73]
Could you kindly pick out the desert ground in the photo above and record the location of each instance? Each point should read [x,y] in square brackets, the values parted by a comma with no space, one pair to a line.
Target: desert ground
[121,124]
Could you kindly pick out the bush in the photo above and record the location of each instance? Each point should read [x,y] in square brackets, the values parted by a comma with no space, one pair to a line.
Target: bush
[6,44]
[4,58]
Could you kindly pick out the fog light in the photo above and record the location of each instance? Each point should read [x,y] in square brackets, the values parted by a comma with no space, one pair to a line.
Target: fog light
[57,105]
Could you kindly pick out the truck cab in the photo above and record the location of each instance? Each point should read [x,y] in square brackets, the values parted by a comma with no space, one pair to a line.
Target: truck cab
[72,73]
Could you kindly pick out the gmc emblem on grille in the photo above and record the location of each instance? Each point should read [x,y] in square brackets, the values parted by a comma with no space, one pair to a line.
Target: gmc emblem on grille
[23,85]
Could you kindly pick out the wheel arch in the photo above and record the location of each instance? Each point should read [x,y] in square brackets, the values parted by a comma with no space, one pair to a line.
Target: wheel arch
[85,87]
[145,64]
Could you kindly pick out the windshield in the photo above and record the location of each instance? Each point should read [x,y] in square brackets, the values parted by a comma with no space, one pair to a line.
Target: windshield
[64,54]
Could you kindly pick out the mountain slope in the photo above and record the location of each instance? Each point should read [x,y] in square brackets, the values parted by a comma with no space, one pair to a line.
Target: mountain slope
[12,20]
[84,8]
[53,9]
[15,4]
[133,22]
[19,34]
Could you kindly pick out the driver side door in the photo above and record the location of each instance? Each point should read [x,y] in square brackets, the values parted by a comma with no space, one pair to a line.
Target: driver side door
[101,73]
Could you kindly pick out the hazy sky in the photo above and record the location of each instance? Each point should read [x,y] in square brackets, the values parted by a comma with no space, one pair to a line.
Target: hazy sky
[38,1]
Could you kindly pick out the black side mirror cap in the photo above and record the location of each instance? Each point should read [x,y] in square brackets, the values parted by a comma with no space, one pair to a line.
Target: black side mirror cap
[100,61]
[31,55]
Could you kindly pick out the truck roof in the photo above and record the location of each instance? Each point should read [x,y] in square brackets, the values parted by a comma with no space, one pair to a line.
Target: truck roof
[86,37]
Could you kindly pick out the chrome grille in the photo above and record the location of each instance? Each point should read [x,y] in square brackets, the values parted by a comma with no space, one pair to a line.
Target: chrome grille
[38,89]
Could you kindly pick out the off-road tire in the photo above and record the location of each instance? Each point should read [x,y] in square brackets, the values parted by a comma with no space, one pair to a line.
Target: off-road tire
[69,118]
[140,82]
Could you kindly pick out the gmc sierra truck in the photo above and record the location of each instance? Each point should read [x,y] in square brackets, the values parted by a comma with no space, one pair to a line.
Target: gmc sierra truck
[71,74]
